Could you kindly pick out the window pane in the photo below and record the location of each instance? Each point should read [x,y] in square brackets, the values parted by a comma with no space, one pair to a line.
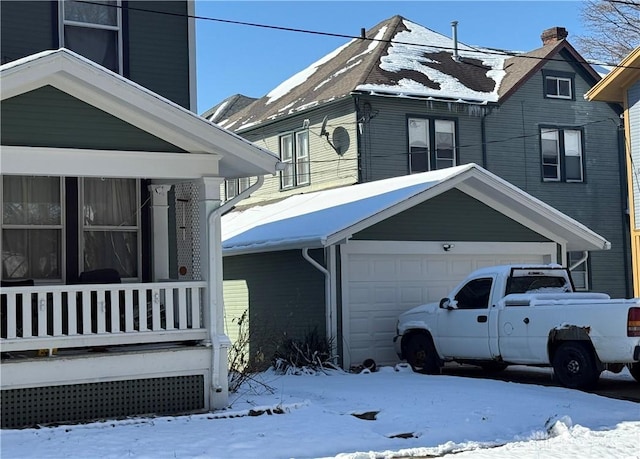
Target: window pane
[302,157]
[445,143]
[111,249]
[33,254]
[550,154]
[31,200]
[552,86]
[110,202]
[91,13]
[573,154]
[418,160]
[564,87]
[287,176]
[579,273]
[418,133]
[99,45]
[286,156]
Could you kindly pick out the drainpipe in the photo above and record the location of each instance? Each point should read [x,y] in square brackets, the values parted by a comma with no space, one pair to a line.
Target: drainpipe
[215,279]
[582,259]
[327,287]
[483,138]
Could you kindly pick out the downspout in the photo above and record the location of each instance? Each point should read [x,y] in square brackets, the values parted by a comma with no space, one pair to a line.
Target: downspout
[483,138]
[215,272]
[583,258]
[625,201]
[327,287]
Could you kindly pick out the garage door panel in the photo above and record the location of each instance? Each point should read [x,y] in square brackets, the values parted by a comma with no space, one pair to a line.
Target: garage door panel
[382,286]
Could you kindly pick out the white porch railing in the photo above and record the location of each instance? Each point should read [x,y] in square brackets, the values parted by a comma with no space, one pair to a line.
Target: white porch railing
[89,315]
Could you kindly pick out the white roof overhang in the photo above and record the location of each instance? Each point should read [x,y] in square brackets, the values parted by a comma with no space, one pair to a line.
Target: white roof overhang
[138,106]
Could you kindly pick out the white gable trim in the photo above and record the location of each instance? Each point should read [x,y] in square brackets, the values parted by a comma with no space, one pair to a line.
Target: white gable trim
[136,105]
[106,163]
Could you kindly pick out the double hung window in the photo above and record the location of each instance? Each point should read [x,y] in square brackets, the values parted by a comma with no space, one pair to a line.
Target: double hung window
[562,155]
[110,225]
[432,144]
[32,228]
[294,153]
[93,30]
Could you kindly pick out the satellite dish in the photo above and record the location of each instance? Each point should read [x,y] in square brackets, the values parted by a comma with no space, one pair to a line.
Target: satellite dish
[323,129]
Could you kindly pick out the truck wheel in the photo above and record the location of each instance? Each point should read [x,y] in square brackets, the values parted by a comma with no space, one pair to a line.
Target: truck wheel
[574,366]
[421,354]
[634,369]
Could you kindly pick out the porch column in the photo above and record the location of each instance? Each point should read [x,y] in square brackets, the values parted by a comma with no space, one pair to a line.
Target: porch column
[211,270]
[160,215]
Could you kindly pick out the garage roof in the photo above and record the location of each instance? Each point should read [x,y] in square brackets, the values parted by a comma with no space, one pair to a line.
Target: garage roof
[320,219]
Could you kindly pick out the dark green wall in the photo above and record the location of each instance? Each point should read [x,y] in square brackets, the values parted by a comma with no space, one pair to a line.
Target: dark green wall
[155,46]
[453,215]
[48,117]
[27,27]
[286,296]
[158,48]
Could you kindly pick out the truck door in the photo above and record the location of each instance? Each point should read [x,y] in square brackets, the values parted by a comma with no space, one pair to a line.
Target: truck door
[464,331]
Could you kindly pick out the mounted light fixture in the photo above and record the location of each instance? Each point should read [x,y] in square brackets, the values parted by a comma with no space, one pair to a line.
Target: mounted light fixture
[447,247]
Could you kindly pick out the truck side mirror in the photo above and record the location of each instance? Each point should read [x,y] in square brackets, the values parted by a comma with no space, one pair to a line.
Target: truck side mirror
[445,303]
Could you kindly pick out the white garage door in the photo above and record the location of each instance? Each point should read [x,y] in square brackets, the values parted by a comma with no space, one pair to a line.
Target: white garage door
[382,280]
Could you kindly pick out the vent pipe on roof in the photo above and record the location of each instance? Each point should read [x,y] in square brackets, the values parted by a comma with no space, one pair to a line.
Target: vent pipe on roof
[363,33]
[454,28]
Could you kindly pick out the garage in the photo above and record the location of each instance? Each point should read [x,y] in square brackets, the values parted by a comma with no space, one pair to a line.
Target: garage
[382,279]
[346,261]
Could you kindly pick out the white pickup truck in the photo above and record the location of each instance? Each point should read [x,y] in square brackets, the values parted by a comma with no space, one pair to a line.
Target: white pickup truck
[524,315]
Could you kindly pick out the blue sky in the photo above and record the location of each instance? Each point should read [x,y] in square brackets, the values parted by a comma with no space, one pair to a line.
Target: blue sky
[248,60]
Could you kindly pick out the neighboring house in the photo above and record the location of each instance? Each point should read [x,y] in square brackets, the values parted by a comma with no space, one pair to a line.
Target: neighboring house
[404,99]
[111,301]
[622,86]
[346,262]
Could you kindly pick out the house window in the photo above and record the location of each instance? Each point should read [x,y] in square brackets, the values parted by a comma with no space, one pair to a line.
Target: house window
[294,153]
[110,225]
[558,85]
[32,228]
[562,158]
[234,187]
[579,274]
[93,30]
[432,144]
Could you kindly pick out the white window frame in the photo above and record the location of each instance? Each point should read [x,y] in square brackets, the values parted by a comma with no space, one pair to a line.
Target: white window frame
[561,137]
[558,81]
[62,22]
[423,137]
[61,227]
[294,153]
[121,228]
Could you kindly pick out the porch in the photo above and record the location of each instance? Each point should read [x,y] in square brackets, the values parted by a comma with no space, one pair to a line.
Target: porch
[75,353]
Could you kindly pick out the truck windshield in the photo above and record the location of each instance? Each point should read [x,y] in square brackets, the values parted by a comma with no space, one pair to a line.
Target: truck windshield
[524,284]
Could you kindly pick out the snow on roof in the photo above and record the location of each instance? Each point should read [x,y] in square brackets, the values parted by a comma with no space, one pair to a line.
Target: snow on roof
[310,219]
[396,57]
[422,50]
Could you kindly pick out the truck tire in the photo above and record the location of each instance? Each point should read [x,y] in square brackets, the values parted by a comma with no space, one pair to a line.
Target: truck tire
[421,354]
[634,369]
[574,366]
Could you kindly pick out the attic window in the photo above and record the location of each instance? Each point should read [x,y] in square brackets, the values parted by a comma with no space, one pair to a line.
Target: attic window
[558,85]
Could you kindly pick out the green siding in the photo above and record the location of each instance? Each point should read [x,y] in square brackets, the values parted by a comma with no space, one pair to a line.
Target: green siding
[27,27]
[513,152]
[283,293]
[453,215]
[158,48]
[48,117]
[155,45]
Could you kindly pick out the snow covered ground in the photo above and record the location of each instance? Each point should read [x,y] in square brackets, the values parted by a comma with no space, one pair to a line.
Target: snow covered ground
[391,413]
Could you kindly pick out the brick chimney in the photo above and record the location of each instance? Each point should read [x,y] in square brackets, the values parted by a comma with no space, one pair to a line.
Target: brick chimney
[554,35]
